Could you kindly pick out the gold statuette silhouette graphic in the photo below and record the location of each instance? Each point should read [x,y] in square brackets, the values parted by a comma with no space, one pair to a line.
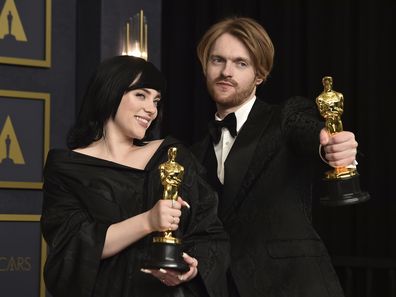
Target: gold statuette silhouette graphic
[342,185]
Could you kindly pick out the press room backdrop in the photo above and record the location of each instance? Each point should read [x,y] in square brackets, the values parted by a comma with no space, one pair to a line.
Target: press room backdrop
[40,90]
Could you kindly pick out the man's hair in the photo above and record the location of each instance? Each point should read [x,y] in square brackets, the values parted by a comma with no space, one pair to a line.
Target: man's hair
[112,79]
[250,33]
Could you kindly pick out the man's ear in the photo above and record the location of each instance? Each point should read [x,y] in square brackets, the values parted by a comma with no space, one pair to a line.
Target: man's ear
[259,80]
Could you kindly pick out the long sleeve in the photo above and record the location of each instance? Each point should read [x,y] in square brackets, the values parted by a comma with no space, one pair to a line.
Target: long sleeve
[301,125]
[75,240]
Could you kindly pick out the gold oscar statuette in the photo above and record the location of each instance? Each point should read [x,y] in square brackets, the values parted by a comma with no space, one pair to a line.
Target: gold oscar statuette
[342,186]
[166,248]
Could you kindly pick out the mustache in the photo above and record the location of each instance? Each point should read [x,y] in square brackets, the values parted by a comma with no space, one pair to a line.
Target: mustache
[226,80]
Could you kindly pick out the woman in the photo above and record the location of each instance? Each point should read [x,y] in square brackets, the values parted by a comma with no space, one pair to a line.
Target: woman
[102,203]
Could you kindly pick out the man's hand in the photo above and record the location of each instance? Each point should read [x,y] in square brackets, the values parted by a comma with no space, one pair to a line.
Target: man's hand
[340,148]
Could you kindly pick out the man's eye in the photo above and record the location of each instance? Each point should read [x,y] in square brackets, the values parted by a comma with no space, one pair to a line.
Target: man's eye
[242,64]
[216,60]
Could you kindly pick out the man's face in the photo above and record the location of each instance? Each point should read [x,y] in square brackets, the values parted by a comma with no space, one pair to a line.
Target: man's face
[230,75]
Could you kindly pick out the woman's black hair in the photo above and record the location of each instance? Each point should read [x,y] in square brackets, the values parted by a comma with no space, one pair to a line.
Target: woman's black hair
[108,84]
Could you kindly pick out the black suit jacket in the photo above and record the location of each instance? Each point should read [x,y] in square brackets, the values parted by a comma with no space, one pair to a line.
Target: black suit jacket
[265,203]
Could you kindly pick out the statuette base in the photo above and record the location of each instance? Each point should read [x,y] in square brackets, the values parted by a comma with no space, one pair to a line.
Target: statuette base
[166,256]
[343,191]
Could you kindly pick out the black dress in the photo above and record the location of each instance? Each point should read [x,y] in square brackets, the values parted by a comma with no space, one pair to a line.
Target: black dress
[84,195]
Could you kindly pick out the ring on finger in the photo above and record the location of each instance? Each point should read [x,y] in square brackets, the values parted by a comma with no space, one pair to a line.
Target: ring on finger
[173,203]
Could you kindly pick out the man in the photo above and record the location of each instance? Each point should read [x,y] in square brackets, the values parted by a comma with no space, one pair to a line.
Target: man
[263,169]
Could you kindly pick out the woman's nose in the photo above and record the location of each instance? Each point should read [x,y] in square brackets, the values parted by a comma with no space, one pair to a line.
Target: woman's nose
[150,107]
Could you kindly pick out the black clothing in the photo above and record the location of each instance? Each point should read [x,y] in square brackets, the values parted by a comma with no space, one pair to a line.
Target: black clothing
[84,195]
[265,203]
[228,122]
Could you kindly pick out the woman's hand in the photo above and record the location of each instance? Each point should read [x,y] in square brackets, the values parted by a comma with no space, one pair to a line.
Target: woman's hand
[165,215]
[171,277]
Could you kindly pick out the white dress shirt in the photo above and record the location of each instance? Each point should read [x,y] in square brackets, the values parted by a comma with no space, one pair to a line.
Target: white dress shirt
[226,141]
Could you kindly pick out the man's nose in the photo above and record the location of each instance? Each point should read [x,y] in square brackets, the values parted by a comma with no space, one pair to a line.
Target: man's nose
[227,70]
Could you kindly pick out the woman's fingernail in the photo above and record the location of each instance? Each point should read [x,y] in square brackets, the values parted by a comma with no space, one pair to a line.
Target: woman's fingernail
[145,271]
[186,204]
[180,277]
[163,270]
[184,255]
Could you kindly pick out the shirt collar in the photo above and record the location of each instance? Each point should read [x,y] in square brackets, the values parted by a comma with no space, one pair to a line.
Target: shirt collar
[241,113]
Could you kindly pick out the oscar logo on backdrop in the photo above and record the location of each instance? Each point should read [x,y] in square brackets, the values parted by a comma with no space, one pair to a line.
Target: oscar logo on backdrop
[10,151]
[11,28]
[342,186]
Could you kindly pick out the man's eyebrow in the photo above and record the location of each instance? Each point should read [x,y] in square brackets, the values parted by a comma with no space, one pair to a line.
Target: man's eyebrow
[235,59]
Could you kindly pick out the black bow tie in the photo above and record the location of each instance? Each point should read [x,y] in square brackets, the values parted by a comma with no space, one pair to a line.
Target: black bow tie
[228,122]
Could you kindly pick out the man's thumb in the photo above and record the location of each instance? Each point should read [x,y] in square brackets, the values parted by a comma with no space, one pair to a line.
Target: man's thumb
[324,137]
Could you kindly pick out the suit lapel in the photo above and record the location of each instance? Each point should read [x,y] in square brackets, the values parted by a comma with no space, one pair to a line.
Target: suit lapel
[242,157]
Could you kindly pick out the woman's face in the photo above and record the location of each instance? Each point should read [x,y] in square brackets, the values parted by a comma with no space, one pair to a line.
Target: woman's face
[137,110]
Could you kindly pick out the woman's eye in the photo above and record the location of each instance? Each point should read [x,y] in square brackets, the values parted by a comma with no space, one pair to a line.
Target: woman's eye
[140,95]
